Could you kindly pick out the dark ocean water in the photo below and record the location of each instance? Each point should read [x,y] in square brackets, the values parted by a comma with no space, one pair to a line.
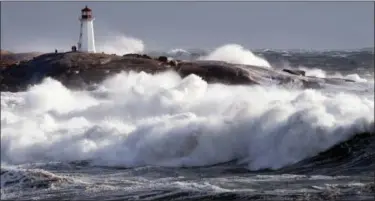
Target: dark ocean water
[186,140]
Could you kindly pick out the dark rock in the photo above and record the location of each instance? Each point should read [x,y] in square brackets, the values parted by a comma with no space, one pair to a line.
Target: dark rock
[311,84]
[132,55]
[163,59]
[7,63]
[295,72]
[173,63]
[347,80]
[215,73]
[144,56]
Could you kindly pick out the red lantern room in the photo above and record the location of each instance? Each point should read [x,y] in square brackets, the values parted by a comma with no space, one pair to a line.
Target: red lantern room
[86,13]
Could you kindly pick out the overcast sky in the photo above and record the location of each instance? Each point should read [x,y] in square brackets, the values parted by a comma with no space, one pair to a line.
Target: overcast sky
[166,25]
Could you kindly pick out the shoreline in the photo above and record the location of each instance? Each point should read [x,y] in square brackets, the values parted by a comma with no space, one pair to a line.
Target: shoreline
[79,70]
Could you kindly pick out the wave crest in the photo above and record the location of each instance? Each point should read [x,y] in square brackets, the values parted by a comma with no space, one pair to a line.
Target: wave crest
[234,53]
[24,178]
[120,44]
[136,119]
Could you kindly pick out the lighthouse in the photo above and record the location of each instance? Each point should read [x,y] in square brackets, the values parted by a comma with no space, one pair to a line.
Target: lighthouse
[86,41]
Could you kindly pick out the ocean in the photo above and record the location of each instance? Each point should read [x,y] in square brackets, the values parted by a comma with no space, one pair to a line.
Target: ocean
[138,136]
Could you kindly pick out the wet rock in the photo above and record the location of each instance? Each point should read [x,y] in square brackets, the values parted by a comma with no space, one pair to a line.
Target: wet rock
[295,72]
[163,59]
[80,70]
[173,63]
[144,56]
[216,73]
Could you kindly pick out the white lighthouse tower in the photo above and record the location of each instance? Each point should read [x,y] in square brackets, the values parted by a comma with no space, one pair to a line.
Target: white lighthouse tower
[86,41]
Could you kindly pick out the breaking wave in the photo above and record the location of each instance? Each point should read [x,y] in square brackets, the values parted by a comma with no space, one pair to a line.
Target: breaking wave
[137,119]
[234,53]
[178,52]
[120,44]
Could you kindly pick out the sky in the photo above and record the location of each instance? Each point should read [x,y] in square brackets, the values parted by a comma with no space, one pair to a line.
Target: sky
[27,26]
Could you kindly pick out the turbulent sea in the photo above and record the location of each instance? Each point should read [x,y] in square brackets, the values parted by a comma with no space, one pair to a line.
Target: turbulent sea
[159,137]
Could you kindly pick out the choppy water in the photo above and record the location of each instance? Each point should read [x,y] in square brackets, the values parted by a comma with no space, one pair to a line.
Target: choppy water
[144,137]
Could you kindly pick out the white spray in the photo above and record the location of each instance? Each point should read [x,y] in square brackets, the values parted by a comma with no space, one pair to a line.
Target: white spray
[137,119]
[234,53]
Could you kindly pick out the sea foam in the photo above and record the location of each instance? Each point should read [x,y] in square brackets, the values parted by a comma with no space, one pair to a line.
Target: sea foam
[137,119]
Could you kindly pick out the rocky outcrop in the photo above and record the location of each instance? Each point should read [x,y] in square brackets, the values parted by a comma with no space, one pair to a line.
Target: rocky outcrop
[76,70]
[173,63]
[73,69]
[216,73]
[7,58]
[144,56]
[163,59]
[295,72]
